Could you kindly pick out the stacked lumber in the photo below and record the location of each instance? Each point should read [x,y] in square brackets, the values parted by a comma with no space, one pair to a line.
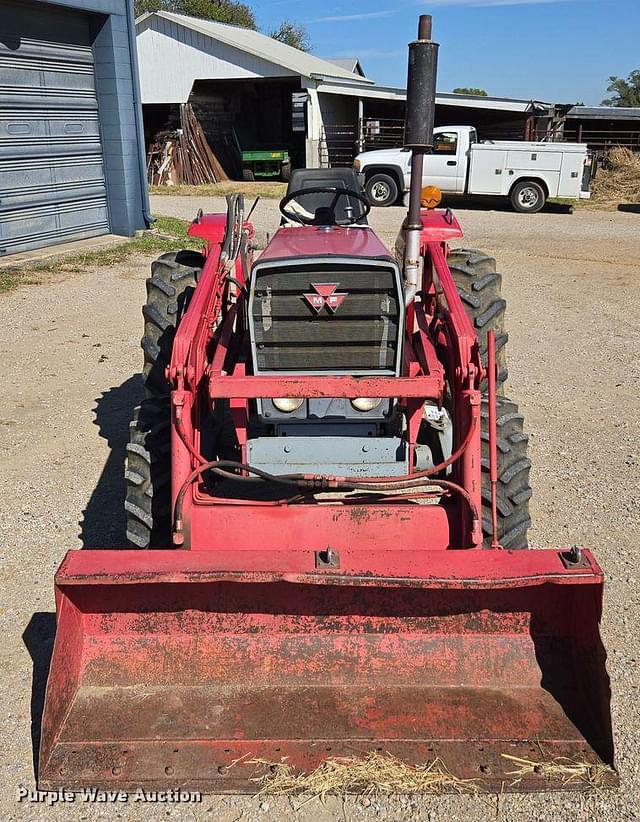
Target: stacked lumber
[184,156]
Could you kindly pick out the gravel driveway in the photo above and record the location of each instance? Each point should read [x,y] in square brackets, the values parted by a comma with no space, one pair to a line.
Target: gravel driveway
[70,357]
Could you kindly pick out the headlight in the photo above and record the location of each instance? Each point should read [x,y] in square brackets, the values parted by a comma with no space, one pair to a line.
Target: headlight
[366,403]
[288,404]
[356,165]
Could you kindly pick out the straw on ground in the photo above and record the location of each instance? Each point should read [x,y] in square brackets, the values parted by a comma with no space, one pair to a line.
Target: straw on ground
[376,773]
[618,181]
[562,769]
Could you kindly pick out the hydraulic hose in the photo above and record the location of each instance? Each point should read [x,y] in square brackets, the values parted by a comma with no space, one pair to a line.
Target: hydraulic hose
[317,482]
[298,481]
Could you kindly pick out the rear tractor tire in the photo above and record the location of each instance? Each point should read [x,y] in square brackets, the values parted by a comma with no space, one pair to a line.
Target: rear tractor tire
[480,286]
[173,279]
[480,289]
[148,464]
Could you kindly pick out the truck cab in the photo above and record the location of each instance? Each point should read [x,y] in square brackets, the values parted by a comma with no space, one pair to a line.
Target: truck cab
[385,173]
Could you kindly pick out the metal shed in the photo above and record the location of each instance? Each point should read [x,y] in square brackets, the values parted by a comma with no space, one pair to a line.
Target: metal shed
[602,127]
[71,153]
[236,78]
[321,110]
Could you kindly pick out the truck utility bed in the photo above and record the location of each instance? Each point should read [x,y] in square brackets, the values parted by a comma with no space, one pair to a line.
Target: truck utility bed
[493,166]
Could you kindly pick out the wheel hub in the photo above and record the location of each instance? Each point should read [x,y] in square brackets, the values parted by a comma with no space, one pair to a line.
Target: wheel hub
[380,191]
[528,197]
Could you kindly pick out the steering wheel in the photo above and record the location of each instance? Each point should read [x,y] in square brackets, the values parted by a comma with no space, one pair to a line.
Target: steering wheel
[327,215]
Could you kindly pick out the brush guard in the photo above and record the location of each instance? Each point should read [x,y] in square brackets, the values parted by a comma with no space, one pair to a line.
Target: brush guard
[175,669]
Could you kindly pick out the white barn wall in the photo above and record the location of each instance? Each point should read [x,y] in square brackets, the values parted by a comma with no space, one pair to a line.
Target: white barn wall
[171,56]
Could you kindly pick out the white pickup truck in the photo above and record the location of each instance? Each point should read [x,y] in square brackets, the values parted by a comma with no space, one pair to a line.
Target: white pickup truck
[527,173]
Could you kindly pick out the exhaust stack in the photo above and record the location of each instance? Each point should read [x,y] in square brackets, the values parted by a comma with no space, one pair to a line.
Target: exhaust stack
[418,136]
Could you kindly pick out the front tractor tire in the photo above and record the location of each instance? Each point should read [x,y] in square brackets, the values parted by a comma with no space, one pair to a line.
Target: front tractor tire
[514,491]
[173,279]
[148,475]
[382,190]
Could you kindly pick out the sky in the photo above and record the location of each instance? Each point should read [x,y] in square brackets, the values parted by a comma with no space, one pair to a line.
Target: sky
[560,51]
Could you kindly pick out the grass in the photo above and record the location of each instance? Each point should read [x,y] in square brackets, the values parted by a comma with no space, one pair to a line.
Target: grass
[168,234]
[268,190]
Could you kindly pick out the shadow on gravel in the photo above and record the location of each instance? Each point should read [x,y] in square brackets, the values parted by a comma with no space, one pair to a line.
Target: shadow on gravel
[103,524]
[480,203]
[38,639]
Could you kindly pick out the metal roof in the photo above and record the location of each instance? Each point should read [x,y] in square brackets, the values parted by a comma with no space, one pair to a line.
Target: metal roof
[334,76]
[351,64]
[604,113]
[330,86]
[260,45]
[498,103]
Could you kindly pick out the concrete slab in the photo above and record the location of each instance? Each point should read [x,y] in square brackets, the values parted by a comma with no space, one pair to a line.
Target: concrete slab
[40,255]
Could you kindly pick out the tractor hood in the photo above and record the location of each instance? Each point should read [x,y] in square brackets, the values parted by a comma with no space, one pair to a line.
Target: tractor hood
[325,241]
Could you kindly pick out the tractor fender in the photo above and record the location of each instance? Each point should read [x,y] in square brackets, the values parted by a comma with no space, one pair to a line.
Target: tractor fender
[209,227]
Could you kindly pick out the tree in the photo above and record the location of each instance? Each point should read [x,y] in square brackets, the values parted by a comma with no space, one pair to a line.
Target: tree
[626,92]
[477,92]
[292,34]
[233,12]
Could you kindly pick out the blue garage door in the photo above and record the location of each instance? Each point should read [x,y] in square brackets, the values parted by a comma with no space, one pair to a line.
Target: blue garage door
[52,186]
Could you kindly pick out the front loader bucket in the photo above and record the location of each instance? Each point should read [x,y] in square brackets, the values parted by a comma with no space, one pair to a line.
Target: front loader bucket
[175,669]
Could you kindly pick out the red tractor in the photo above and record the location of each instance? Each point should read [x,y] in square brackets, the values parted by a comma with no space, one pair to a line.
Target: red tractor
[337,493]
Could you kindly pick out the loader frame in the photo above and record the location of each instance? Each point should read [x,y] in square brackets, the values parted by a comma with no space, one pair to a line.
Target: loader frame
[196,379]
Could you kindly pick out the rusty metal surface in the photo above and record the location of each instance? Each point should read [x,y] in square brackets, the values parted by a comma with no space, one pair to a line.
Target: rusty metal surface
[222,766]
[165,671]
[359,566]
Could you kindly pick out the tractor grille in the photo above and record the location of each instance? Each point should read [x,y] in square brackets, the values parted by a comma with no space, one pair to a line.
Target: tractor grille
[363,334]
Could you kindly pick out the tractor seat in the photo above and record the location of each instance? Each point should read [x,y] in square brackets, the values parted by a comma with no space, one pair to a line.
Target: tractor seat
[346,178]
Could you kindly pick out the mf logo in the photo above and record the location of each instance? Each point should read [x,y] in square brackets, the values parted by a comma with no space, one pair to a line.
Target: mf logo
[325,296]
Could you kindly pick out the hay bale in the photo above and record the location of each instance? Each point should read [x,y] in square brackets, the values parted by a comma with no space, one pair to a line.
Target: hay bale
[618,179]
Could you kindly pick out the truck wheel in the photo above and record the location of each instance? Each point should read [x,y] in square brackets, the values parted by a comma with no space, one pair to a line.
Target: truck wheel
[382,190]
[148,475]
[479,287]
[528,197]
[514,491]
[172,281]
